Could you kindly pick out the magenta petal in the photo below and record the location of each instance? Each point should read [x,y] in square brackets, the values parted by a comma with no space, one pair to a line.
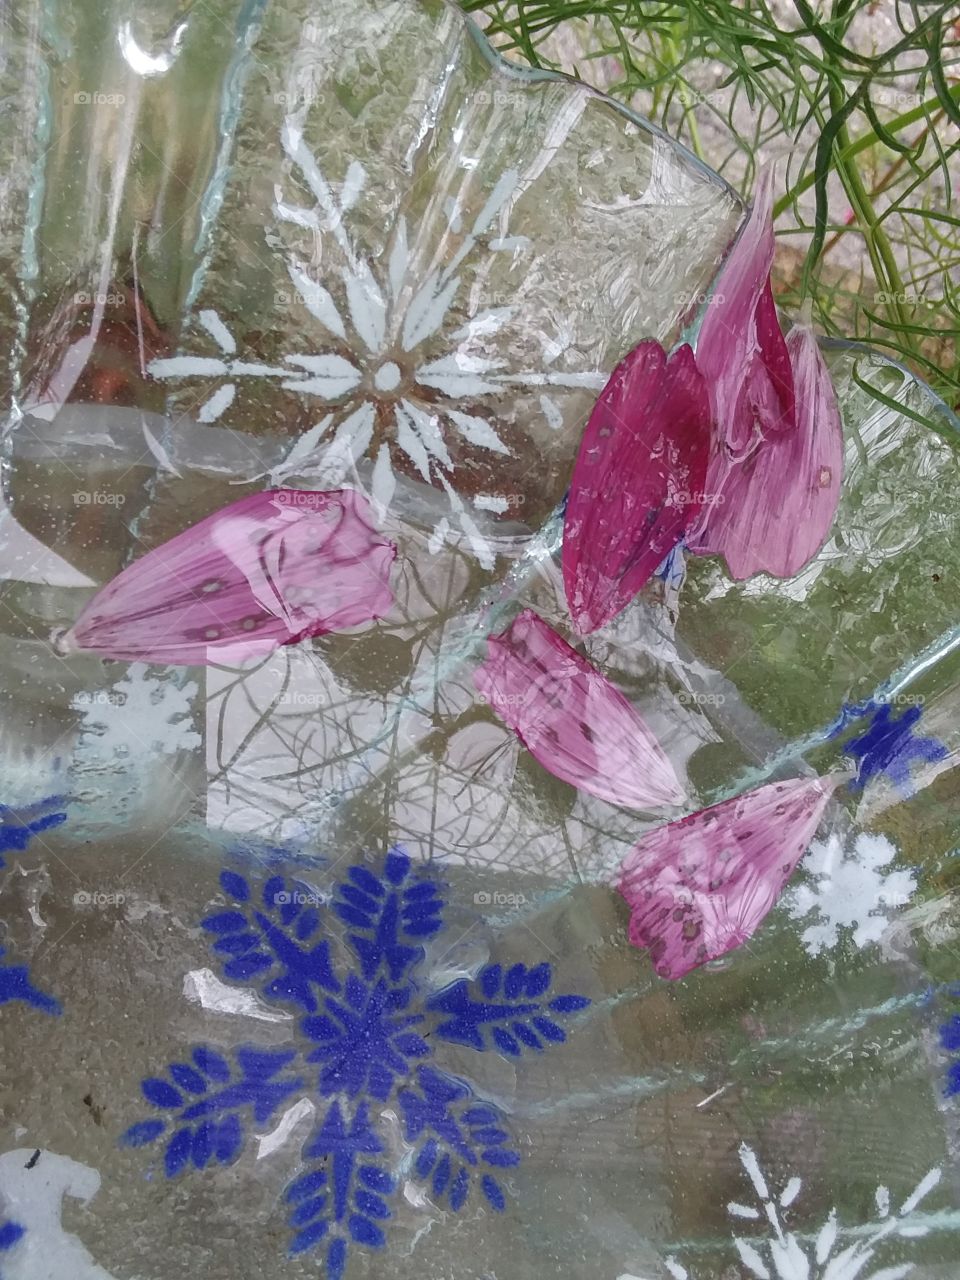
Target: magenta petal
[266,571]
[740,346]
[779,503]
[637,482]
[572,719]
[773,383]
[702,886]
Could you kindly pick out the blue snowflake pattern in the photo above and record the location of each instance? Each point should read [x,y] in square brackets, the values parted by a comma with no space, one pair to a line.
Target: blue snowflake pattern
[276,939]
[207,1102]
[504,1009]
[950,1042]
[366,1039]
[15,984]
[19,826]
[888,746]
[17,829]
[11,1233]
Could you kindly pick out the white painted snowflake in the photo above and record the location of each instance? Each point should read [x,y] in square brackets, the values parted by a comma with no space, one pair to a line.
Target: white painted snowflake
[390,383]
[139,713]
[782,1255]
[849,889]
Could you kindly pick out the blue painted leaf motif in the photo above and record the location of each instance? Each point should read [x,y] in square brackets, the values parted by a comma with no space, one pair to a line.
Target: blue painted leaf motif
[11,1233]
[888,746]
[364,1039]
[19,826]
[15,984]
[388,914]
[458,1136]
[205,1122]
[950,1041]
[508,1006]
[273,943]
[341,1199]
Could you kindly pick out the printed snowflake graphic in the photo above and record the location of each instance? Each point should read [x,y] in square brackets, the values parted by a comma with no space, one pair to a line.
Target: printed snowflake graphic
[782,1255]
[368,1041]
[141,711]
[889,747]
[850,891]
[392,382]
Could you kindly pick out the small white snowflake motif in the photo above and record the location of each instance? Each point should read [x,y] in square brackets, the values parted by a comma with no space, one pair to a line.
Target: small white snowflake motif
[399,389]
[781,1255]
[849,889]
[140,715]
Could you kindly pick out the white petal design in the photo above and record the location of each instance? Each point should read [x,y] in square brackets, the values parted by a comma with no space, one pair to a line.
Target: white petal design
[458,375]
[848,1264]
[737,1210]
[353,435]
[479,544]
[595,381]
[399,257]
[333,376]
[752,1260]
[439,536]
[384,482]
[790,1192]
[451,207]
[367,308]
[477,431]
[428,429]
[159,452]
[789,1259]
[483,324]
[750,1162]
[244,368]
[922,1190]
[303,447]
[427,309]
[411,444]
[501,193]
[552,413]
[292,139]
[317,301]
[295,214]
[218,404]
[187,367]
[353,184]
[883,1201]
[827,1238]
[218,331]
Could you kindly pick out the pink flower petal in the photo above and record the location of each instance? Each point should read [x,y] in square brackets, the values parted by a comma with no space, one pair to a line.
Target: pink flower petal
[266,571]
[637,482]
[702,886]
[779,503]
[740,346]
[572,719]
